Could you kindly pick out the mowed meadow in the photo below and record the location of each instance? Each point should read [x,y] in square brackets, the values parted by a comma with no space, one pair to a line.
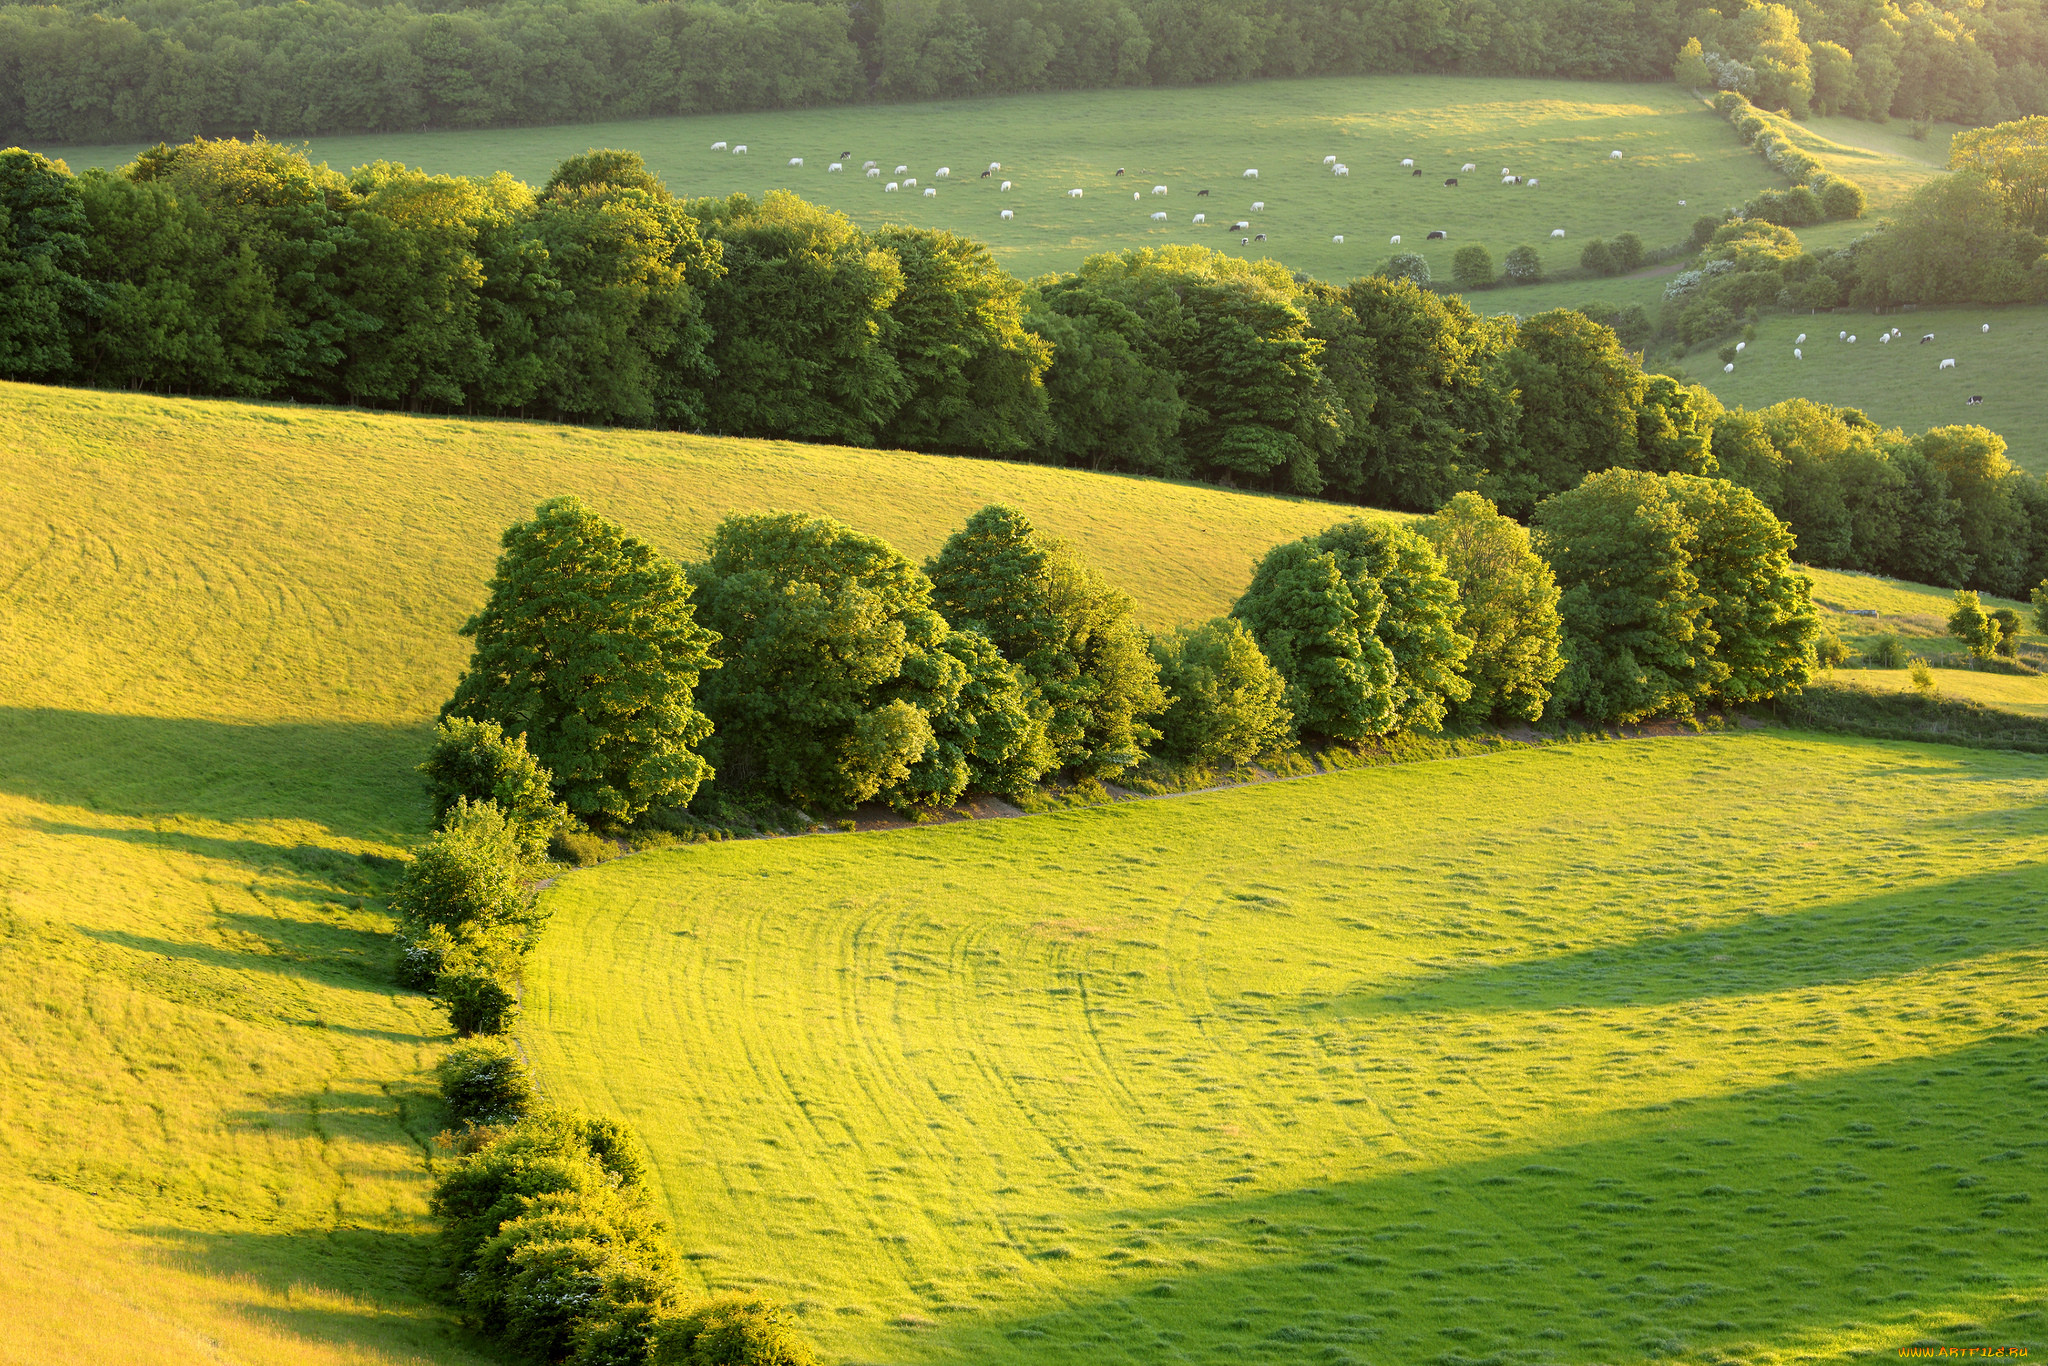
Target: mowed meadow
[1722,1048]
[228,627]
[1559,132]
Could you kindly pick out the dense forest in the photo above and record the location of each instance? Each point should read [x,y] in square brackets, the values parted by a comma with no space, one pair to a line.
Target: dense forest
[241,269]
[115,70]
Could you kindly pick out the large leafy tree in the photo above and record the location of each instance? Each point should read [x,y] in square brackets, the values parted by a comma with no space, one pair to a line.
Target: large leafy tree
[1580,396]
[2015,156]
[1635,628]
[44,299]
[1112,394]
[588,646]
[1419,623]
[1072,634]
[1759,610]
[1990,520]
[1229,702]
[1509,597]
[1316,626]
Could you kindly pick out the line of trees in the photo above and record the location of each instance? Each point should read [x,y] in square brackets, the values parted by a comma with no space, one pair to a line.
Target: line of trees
[239,268]
[95,70]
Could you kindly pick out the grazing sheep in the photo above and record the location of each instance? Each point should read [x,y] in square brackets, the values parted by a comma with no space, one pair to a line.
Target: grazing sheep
[1949,364]
[1451,184]
[1201,218]
[1201,194]
[1800,340]
[1008,214]
[1258,206]
[1797,354]
[1135,196]
[1438,236]
[1346,170]
[1729,368]
[1005,187]
[1468,166]
[1614,155]
[1119,171]
[986,174]
[1510,180]
[1159,217]
[900,170]
[739,149]
[1741,347]
[1073,194]
[891,188]
[910,184]
[869,165]
[874,173]
[1974,399]
[1258,237]
[1407,162]
[844,155]
[1557,232]
[931,194]
[1886,337]
[1532,182]
[943,173]
[1987,328]
[1338,239]
[718,147]
[1841,336]
[995,166]
[1251,173]
[1852,339]
[1158,189]
[1395,240]
[1244,241]
[1329,161]
[835,166]
[1416,172]
[1239,226]
[1926,339]
[796,161]
[1505,171]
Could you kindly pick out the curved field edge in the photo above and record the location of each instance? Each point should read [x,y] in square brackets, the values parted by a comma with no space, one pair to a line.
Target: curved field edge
[1581,1052]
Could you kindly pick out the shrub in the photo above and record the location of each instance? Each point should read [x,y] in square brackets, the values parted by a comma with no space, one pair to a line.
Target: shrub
[2008,623]
[1597,258]
[423,952]
[1842,198]
[1228,701]
[1703,229]
[1970,624]
[1316,626]
[1886,652]
[1627,251]
[574,844]
[1923,675]
[1408,265]
[466,878]
[1829,652]
[477,761]
[1509,597]
[1523,265]
[484,1082]
[567,1253]
[2039,597]
[589,647]
[1759,620]
[732,1331]
[544,1153]
[476,1001]
[1472,267]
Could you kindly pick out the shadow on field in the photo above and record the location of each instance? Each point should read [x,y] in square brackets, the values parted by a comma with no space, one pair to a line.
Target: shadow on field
[1848,1214]
[354,778]
[310,872]
[1890,932]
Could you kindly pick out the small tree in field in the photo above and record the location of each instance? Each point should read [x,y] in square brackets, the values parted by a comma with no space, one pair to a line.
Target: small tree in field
[1472,267]
[465,879]
[1524,266]
[589,648]
[1627,251]
[2008,623]
[1972,625]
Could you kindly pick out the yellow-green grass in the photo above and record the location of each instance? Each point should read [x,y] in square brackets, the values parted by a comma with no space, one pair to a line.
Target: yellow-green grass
[1191,139]
[1726,1047]
[1900,383]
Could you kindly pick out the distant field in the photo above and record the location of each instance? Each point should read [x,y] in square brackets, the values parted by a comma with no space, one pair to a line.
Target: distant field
[1188,140]
[1901,383]
[1720,1049]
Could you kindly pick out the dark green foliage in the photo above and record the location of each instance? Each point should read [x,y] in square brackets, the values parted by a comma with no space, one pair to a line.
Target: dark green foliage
[1523,266]
[1413,267]
[1911,716]
[1229,703]
[1071,633]
[1317,627]
[1626,253]
[1112,392]
[1973,626]
[1759,610]
[1675,427]
[1419,620]
[423,953]
[475,760]
[483,1081]
[589,648]
[1992,523]
[465,878]
[1509,597]
[476,1000]
[1597,258]
[1580,394]
[1954,240]
[1472,267]
[539,1276]
[991,735]
[2039,598]
[43,256]
[1635,635]
[545,1153]
[2008,623]
[574,844]
[730,1331]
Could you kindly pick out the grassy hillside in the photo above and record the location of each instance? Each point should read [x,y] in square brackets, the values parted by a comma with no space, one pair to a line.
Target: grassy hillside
[1557,131]
[1593,1054]
[227,627]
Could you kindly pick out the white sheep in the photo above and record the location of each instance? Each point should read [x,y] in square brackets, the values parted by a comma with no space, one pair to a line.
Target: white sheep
[1949,364]
[902,170]
[1258,206]
[995,166]
[1008,214]
[1468,166]
[1338,239]
[1797,354]
[1201,218]
[1532,182]
[1135,196]
[1239,226]
[1987,327]
[1329,161]
[1852,339]
[1507,180]
[931,194]
[835,166]
[874,173]
[1741,347]
[1614,155]
[1251,173]
[1006,186]
[796,161]
[1886,337]
[1073,194]
[1557,232]
[718,147]
[1841,336]
[910,184]
[1159,217]
[891,188]
[1158,189]
[1395,240]
[1407,162]
[1343,170]
[1729,368]
[869,165]
[943,173]
[739,149]
[1505,171]
[1799,340]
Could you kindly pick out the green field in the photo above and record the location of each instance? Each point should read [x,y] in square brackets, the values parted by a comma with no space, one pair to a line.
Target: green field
[1723,1048]
[1188,140]
[227,627]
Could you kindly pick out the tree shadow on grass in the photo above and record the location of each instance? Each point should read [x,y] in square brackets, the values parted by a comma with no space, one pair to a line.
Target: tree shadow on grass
[306,872]
[356,779]
[1853,1213]
[1892,931]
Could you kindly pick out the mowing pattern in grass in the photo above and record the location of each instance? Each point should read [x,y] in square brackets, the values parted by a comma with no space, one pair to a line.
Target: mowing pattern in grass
[1559,132]
[1729,1046]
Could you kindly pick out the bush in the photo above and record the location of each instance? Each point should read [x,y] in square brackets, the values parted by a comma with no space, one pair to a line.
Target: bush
[2008,623]
[1886,652]
[734,1331]
[1597,257]
[1970,624]
[1842,198]
[1923,675]
[1228,701]
[1408,265]
[476,760]
[484,1082]
[1472,267]
[567,1254]
[423,952]
[466,878]
[1509,597]
[1627,251]
[544,1153]
[1703,229]
[476,1001]
[2039,597]
[574,844]
[1829,652]
[1523,266]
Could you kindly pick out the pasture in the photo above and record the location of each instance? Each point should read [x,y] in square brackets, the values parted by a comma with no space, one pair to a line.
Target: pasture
[1900,383]
[1609,1053]
[1559,132]
[228,626]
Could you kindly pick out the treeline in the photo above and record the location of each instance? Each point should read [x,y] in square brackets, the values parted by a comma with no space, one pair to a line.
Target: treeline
[89,70]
